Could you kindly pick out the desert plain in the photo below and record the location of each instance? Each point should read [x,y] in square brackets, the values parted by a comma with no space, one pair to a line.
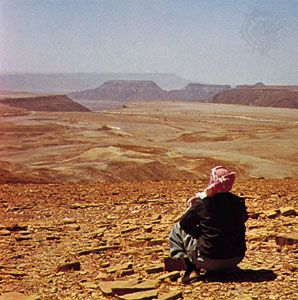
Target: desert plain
[89,198]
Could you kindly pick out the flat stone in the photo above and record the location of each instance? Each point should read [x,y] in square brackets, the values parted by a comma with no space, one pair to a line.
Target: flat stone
[68,221]
[155,269]
[253,214]
[145,295]
[25,232]
[174,275]
[143,286]
[119,267]
[85,205]
[148,228]
[101,275]
[287,239]
[14,273]
[73,266]
[89,285]
[129,229]
[97,250]
[23,238]
[71,227]
[17,227]
[106,286]
[173,295]
[18,296]
[52,238]
[271,214]
[126,272]
[288,211]
[155,242]
[4,232]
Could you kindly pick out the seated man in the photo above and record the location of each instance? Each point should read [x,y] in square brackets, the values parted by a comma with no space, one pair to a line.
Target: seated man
[211,233]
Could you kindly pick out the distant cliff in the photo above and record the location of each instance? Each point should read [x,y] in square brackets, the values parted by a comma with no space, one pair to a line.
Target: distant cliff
[45,103]
[70,82]
[260,95]
[197,91]
[123,90]
[131,90]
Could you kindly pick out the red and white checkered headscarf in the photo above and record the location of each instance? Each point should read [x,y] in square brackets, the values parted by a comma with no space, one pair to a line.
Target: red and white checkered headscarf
[221,181]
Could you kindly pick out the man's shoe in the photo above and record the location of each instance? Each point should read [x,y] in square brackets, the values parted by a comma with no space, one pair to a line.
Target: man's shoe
[190,277]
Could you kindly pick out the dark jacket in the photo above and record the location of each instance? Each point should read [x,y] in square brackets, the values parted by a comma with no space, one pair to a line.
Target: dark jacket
[218,222]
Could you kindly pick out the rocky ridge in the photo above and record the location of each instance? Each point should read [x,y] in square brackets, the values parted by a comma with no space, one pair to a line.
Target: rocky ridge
[44,103]
[109,241]
[197,91]
[260,95]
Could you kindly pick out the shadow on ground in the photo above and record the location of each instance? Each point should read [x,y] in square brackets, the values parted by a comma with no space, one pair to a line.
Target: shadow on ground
[240,275]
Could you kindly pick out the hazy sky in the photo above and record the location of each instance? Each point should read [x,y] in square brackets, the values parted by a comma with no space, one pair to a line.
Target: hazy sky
[212,41]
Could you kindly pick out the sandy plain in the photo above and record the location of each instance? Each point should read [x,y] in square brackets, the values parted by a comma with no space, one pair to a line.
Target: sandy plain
[148,141]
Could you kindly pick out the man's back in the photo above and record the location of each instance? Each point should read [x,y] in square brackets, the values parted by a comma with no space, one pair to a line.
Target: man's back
[218,222]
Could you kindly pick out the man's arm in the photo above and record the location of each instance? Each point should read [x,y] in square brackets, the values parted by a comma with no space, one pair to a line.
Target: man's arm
[190,221]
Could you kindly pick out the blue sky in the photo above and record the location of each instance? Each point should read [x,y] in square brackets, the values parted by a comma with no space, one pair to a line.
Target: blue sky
[233,42]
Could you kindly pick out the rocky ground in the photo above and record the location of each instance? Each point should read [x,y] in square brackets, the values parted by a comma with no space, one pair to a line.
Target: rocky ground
[76,241]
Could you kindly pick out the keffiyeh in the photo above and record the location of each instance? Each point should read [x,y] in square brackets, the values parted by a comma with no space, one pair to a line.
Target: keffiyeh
[221,181]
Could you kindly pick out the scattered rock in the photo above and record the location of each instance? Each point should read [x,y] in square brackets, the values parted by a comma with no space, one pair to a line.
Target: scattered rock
[73,266]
